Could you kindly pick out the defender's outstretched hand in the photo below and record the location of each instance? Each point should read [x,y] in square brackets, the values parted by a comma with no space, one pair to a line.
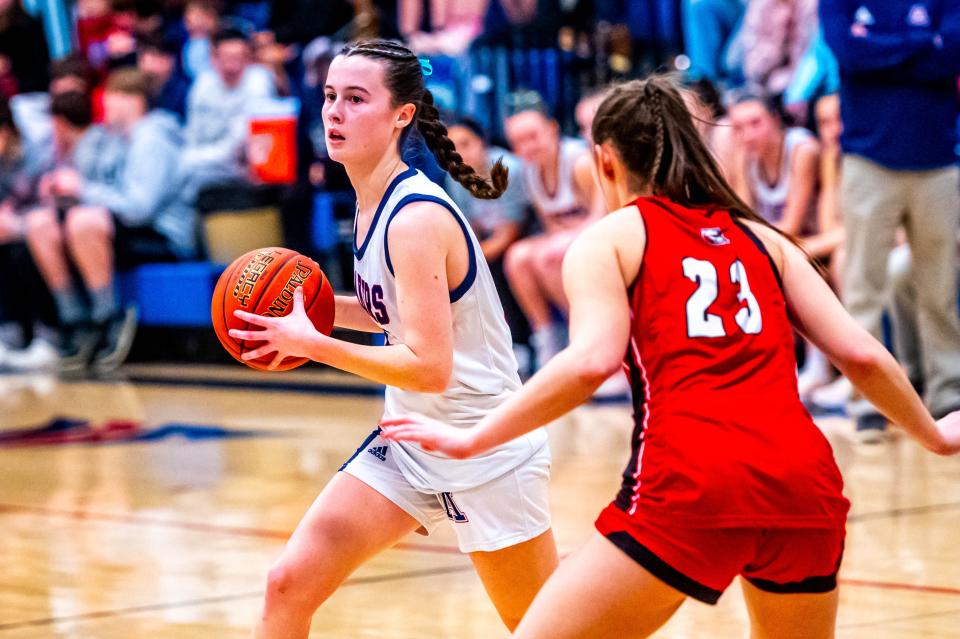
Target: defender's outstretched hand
[949,427]
[431,435]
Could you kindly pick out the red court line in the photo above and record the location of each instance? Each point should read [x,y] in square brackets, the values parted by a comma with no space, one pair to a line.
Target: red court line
[257,594]
[237,531]
[896,585]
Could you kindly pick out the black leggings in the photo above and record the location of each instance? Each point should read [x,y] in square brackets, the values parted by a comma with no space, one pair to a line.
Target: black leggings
[24,296]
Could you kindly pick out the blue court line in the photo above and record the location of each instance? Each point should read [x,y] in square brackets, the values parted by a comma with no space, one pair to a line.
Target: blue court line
[55,425]
[84,432]
[192,432]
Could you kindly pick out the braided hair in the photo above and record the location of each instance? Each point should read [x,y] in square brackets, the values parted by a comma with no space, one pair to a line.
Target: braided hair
[404,80]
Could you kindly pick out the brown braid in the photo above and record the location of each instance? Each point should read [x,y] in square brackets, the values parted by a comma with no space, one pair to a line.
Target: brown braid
[404,79]
[435,135]
[655,101]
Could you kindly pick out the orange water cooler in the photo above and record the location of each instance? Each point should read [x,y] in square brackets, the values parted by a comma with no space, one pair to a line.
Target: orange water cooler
[272,144]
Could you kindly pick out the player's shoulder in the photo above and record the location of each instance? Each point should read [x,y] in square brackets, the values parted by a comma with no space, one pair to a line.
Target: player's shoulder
[421,216]
[417,192]
[422,220]
[614,243]
[625,223]
[776,244]
[621,232]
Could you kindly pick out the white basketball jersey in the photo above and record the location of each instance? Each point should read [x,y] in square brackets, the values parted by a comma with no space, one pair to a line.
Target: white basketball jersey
[484,367]
[563,203]
[770,200]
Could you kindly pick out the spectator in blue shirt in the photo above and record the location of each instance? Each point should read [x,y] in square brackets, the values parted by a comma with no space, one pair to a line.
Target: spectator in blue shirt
[899,61]
[157,59]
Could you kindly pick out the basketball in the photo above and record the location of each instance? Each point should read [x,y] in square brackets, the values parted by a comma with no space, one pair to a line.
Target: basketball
[263,282]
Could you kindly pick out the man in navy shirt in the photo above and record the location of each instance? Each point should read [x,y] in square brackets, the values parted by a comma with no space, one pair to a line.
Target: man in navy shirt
[899,61]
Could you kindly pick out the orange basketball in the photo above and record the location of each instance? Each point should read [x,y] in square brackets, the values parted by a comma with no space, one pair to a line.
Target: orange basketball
[263,282]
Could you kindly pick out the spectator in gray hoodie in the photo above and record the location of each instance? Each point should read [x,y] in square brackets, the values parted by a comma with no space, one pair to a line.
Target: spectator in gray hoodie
[218,109]
[120,206]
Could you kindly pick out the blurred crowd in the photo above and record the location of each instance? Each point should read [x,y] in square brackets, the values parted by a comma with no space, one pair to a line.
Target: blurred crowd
[123,123]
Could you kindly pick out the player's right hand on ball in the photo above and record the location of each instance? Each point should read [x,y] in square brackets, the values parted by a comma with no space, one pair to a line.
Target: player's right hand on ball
[287,336]
[431,435]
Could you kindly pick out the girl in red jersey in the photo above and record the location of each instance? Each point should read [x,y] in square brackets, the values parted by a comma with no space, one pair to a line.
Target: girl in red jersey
[728,475]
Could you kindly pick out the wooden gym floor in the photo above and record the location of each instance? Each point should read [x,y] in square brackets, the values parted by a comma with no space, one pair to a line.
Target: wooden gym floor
[158,509]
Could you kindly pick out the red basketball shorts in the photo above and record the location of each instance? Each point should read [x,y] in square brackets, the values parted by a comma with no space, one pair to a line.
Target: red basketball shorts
[701,562]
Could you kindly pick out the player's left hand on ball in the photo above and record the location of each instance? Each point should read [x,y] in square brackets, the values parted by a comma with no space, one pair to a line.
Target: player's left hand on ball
[287,336]
[431,435]
[949,427]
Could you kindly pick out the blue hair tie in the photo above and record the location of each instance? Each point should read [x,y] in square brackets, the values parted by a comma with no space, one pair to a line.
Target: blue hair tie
[425,67]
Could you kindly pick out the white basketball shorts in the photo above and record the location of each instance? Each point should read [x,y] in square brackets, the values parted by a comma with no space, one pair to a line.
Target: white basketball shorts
[503,512]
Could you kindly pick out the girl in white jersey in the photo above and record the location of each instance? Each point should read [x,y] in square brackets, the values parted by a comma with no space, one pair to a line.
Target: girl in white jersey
[778,172]
[778,178]
[421,279]
[560,184]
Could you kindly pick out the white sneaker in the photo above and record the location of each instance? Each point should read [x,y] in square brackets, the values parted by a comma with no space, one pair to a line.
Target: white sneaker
[816,372]
[810,379]
[834,395]
[522,353]
[41,355]
[546,343]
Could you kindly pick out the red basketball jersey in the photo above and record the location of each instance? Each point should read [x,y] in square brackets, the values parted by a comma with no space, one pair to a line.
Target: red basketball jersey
[721,437]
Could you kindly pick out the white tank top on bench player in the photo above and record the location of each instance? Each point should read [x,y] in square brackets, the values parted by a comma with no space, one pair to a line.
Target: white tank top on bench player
[563,206]
[770,200]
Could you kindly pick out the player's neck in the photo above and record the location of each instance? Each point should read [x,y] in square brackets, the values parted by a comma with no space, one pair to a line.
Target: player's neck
[626,195]
[625,189]
[371,182]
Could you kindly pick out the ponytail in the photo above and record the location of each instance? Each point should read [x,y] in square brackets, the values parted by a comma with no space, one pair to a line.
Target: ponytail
[652,130]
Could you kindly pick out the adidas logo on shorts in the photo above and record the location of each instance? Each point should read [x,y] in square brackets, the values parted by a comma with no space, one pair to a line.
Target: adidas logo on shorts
[380,452]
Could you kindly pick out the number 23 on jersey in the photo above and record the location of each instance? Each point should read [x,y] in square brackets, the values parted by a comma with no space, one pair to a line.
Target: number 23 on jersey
[701,322]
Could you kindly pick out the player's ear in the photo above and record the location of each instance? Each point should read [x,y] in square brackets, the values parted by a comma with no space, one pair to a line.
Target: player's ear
[405,115]
[604,157]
